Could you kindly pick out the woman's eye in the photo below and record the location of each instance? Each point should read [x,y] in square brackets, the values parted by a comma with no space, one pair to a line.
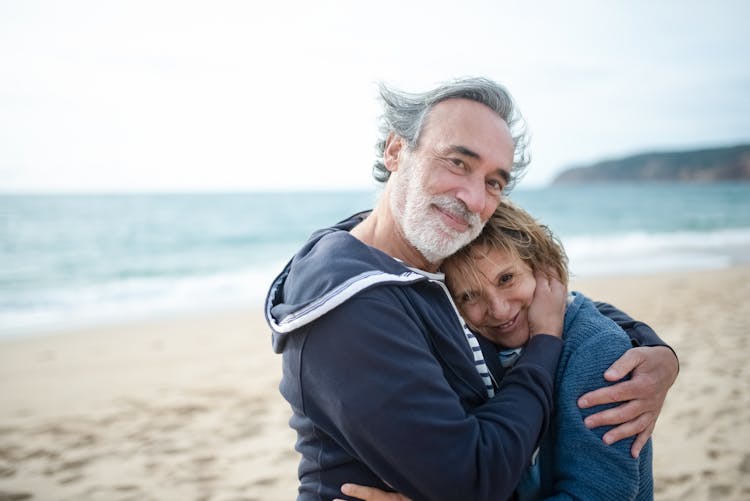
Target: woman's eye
[507,278]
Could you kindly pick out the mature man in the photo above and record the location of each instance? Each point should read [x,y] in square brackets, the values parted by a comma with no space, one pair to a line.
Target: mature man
[387,385]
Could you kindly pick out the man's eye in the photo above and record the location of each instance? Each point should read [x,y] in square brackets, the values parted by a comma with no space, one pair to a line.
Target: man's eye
[457,162]
[495,185]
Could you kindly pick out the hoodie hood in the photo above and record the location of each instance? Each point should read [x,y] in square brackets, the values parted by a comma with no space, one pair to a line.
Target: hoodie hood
[330,268]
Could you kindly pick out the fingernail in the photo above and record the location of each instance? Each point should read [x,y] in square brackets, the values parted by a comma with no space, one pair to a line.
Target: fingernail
[612,374]
[607,439]
[583,402]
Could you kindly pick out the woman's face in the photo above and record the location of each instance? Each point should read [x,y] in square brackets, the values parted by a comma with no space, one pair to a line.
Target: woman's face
[498,307]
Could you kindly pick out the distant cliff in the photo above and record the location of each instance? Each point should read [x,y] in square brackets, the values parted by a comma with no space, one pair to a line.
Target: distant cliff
[709,165]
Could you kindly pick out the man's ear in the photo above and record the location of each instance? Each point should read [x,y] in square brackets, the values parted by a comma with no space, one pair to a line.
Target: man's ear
[394,145]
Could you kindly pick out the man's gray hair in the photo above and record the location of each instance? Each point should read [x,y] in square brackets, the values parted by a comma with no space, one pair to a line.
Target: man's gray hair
[404,115]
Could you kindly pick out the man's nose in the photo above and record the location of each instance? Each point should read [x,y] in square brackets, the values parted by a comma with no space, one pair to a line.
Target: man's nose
[473,195]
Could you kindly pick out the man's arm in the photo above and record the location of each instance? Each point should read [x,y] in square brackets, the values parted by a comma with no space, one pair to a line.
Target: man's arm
[375,386]
[653,367]
[639,333]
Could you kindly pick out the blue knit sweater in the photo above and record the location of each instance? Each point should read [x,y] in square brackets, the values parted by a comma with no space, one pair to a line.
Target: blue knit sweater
[574,462]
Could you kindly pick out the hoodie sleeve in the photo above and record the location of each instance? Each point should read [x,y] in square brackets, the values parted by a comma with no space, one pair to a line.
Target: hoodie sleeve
[371,382]
[640,333]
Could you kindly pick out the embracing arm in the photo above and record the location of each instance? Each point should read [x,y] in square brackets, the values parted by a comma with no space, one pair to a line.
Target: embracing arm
[545,318]
[640,333]
[378,390]
[653,367]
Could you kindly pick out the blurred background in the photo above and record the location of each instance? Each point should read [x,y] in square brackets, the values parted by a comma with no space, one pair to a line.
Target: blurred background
[164,156]
[161,160]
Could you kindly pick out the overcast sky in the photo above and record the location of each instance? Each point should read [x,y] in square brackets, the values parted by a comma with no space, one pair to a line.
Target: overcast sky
[182,96]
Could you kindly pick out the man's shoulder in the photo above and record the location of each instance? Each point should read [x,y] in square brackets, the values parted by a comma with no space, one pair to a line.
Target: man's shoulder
[329,272]
[336,253]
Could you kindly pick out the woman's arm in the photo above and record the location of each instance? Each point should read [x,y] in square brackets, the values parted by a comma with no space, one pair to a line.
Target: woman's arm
[584,466]
[653,368]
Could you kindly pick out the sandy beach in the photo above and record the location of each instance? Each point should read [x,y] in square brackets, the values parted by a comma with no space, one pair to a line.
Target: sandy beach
[188,408]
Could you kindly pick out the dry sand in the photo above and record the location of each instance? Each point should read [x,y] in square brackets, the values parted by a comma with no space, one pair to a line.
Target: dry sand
[188,408]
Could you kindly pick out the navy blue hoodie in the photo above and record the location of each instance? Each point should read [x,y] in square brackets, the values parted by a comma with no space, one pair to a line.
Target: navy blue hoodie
[383,385]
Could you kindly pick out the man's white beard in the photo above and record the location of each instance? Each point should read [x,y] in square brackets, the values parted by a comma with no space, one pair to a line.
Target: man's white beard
[422,226]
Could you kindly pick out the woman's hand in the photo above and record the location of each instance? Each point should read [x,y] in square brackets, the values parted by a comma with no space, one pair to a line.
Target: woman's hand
[653,370]
[370,493]
[547,310]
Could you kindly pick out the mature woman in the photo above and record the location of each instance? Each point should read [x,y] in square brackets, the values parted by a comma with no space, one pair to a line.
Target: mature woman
[492,282]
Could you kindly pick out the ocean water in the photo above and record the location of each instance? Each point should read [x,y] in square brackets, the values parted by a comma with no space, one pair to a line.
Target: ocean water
[74,260]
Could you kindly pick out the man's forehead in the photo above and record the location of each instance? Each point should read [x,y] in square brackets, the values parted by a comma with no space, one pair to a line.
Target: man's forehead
[470,126]
[457,110]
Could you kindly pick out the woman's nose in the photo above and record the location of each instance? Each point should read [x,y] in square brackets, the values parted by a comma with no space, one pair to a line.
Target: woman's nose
[498,306]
